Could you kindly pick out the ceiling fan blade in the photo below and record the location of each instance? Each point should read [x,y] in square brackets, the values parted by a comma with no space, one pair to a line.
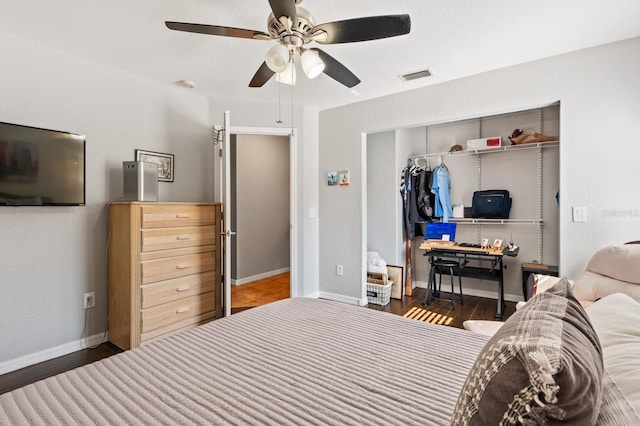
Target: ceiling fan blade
[284,8]
[216,30]
[261,76]
[363,29]
[336,70]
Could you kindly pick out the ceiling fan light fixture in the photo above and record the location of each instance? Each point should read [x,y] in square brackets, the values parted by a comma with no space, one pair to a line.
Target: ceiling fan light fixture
[277,58]
[288,76]
[311,63]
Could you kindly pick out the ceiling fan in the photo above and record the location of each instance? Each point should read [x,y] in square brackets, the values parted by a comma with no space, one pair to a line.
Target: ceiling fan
[294,27]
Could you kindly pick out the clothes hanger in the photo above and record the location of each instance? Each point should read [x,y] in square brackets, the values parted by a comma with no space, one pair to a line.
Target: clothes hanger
[424,165]
[441,162]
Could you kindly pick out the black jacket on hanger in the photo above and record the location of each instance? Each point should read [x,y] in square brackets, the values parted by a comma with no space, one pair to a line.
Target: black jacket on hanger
[425,198]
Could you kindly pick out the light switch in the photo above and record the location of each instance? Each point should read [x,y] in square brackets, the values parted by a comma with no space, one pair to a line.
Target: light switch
[312,212]
[579,214]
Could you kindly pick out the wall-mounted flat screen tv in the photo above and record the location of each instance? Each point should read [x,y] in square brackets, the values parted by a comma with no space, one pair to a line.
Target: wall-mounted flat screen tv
[41,167]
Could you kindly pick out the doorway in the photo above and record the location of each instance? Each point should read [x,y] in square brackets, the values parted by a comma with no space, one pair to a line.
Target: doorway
[260,204]
[230,234]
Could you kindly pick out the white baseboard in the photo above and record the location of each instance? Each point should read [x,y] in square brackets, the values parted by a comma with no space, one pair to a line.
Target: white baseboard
[341,298]
[262,276]
[487,294]
[47,354]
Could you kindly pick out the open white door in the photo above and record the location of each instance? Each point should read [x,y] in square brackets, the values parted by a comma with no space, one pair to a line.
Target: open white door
[225,178]
[226,200]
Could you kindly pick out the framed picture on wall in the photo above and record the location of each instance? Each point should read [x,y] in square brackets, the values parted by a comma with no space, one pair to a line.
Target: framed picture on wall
[343,177]
[395,274]
[332,177]
[164,162]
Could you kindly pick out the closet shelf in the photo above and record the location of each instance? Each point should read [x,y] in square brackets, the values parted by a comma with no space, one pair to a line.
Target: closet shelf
[502,148]
[472,221]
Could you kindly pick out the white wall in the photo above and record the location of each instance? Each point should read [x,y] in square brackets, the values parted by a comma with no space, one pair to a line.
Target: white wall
[600,105]
[50,256]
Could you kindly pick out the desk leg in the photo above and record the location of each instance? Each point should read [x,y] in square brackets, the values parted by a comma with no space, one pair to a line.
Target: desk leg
[431,284]
[500,307]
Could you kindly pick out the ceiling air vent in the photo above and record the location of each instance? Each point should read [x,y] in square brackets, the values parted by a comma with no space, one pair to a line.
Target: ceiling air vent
[415,75]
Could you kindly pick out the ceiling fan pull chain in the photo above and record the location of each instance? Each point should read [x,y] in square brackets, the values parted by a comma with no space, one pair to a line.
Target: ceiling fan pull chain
[279,120]
[292,87]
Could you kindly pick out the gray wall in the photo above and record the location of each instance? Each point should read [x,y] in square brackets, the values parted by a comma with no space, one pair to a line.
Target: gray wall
[382,198]
[50,256]
[261,206]
[600,104]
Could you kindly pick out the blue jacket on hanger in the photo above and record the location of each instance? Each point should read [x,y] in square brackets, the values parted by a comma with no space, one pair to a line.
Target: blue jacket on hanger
[441,187]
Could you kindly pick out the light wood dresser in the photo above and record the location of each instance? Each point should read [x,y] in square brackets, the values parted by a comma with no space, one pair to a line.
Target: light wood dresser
[164,269]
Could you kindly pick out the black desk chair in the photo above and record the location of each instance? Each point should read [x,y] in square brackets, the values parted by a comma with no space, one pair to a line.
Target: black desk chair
[440,266]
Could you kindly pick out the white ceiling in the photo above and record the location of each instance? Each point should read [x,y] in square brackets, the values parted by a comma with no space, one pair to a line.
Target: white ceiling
[453,38]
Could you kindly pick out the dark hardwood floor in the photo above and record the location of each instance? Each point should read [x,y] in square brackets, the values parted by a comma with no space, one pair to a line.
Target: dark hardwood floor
[473,308]
[477,308]
[42,370]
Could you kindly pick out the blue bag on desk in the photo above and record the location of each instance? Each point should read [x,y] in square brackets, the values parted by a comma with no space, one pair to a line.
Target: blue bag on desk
[491,204]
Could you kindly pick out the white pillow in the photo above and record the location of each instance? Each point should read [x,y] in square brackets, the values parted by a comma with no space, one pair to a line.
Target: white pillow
[620,262]
[616,320]
[593,286]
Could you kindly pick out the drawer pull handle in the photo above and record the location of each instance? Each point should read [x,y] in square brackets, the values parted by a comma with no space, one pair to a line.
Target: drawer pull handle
[182,216]
[183,288]
[182,237]
[182,266]
[182,310]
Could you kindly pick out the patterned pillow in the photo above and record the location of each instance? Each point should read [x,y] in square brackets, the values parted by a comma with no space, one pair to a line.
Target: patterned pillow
[544,366]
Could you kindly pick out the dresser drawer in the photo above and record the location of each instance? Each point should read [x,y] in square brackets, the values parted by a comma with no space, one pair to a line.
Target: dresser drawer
[176,327]
[170,238]
[178,288]
[176,312]
[177,266]
[164,216]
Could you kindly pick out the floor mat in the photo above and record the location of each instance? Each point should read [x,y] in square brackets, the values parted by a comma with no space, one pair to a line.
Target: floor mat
[427,316]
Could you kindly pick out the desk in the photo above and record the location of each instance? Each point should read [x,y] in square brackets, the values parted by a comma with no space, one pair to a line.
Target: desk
[464,255]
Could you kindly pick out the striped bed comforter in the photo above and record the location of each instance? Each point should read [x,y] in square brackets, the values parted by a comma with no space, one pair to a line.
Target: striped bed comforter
[298,361]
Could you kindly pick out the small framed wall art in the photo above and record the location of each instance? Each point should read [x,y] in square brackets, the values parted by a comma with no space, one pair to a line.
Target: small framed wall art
[332,178]
[164,162]
[343,177]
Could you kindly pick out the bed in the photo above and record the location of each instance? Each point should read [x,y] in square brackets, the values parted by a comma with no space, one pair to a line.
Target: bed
[317,362]
[296,361]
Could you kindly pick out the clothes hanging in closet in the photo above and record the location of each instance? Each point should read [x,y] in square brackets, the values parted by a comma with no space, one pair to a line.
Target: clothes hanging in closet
[426,199]
[441,188]
[417,200]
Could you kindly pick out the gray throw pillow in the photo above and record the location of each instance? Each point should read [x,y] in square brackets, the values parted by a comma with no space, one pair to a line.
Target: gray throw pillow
[544,366]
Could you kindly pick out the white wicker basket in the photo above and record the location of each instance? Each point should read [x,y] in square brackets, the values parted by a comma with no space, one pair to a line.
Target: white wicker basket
[379,294]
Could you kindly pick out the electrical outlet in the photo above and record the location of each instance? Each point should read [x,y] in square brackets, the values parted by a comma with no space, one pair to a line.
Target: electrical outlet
[90,300]
[339,270]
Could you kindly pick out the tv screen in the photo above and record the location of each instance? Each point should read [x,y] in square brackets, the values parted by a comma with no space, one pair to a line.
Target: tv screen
[41,167]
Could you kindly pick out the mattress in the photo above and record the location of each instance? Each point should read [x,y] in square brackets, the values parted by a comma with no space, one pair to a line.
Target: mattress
[296,361]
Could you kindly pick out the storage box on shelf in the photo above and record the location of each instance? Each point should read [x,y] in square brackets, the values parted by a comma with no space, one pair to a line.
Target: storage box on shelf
[484,143]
